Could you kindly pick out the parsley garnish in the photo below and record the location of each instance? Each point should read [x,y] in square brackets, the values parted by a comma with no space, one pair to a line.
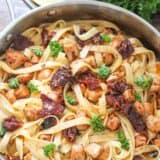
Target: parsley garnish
[144,8]
[122,138]
[2,130]
[138,97]
[97,124]
[106,38]
[55,48]
[70,99]
[38,52]
[13,83]
[143,82]
[103,71]
[48,149]
[32,86]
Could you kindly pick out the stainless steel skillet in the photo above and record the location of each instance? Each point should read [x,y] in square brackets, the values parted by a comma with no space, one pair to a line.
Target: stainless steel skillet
[83,9]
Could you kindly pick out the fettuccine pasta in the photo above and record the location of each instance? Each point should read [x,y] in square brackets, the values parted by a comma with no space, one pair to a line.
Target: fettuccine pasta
[79,90]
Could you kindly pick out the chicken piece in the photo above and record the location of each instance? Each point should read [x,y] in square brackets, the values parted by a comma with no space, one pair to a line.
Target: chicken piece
[113,122]
[93,150]
[44,74]
[77,152]
[25,78]
[155,87]
[34,59]
[15,59]
[71,50]
[140,140]
[153,123]
[93,95]
[27,64]
[117,41]
[31,113]
[28,156]
[148,108]
[105,154]
[108,58]
[157,142]
[22,92]
[128,95]
[10,96]
[139,107]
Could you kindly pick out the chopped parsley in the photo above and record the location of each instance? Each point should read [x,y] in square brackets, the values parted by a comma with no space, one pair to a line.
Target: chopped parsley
[143,82]
[32,86]
[55,48]
[13,83]
[106,38]
[49,149]
[138,97]
[70,99]
[2,130]
[123,140]
[97,124]
[38,52]
[103,71]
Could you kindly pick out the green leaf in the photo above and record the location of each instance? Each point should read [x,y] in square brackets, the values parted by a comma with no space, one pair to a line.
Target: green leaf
[55,48]
[106,38]
[70,99]
[97,124]
[138,97]
[103,71]
[143,82]
[32,86]
[144,8]
[49,149]
[2,130]
[38,52]
[13,83]
[122,138]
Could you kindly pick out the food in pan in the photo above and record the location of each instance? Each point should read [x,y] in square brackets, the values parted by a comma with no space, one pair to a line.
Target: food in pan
[79,90]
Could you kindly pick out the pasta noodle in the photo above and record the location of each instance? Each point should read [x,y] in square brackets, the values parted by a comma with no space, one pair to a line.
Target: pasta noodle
[79,90]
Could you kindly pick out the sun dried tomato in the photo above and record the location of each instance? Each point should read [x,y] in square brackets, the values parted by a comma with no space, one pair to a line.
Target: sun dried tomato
[61,77]
[50,107]
[138,158]
[96,39]
[11,123]
[70,134]
[21,42]
[49,122]
[89,80]
[12,158]
[125,48]
[118,87]
[46,37]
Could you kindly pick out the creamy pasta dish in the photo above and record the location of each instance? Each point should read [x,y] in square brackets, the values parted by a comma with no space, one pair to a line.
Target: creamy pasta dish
[79,90]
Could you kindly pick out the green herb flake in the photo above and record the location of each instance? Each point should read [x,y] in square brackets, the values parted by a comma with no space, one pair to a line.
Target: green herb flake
[143,82]
[106,38]
[97,124]
[2,130]
[13,83]
[38,52]
[144,8]
[122,138]
[32,87]
[138,97]
[70,99]
[55,48]
[49,149]
[103,71]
